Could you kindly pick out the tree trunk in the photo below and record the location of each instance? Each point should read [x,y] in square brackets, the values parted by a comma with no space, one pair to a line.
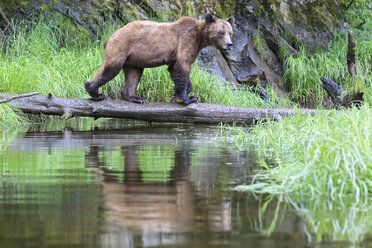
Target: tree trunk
[154,111]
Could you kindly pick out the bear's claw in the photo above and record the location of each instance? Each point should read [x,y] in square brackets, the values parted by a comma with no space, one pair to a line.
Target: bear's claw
[135,99]
[192,99]
[99,97]
[140,100]
[93,92]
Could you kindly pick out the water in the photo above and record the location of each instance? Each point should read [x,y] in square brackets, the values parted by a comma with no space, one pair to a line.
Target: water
[146,186]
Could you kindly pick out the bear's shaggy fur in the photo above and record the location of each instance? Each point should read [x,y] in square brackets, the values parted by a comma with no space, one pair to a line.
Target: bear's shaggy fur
[143,44]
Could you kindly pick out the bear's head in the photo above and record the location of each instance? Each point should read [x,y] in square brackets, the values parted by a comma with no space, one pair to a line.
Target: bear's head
[219,31]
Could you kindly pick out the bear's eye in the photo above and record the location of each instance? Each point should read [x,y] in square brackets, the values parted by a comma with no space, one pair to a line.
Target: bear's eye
[221,34]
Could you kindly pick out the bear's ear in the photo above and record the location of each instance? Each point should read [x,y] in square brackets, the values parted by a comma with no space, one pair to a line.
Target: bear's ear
[209,18]
[231,20]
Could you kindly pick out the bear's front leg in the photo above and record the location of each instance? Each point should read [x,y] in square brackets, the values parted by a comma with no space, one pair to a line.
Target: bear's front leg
[180,75]
[189,89]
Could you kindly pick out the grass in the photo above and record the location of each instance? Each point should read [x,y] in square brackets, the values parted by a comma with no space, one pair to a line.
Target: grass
[53,56]
[11,118]
[258,41]
[302,72]
[321,164]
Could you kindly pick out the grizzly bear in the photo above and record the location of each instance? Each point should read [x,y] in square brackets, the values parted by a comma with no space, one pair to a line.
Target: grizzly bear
[143,44]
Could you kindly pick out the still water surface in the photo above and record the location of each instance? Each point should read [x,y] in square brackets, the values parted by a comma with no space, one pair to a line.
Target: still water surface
[127,186]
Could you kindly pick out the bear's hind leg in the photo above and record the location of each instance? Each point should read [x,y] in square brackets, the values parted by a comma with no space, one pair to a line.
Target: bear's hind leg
[104,74]
[132,78]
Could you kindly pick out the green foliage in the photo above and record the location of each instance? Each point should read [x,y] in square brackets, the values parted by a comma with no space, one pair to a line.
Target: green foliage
[321,164]
[47,59]
[190,9]
[228,8]
[302,72]
[11,119]
[258,41]
[359,12]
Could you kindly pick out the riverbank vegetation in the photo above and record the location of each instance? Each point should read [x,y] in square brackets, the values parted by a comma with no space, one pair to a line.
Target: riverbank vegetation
[54,56]
[319,165]
[302,71]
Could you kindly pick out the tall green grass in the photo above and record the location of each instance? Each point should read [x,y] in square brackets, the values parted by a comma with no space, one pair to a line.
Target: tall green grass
[321,164]
[10,118]
[50,57]
[53,56]
[302,71]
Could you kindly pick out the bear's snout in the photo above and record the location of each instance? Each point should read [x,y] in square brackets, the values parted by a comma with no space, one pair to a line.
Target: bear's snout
[228,46]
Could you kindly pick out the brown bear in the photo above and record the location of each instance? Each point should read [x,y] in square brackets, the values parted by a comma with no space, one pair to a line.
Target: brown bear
[143,44]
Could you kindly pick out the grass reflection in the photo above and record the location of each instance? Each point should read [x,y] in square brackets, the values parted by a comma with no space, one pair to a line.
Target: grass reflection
[156,163]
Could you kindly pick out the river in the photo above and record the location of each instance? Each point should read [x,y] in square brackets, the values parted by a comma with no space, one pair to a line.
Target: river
[129,185]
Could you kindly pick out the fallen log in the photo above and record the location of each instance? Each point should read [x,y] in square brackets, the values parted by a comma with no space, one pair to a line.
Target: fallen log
[153,111]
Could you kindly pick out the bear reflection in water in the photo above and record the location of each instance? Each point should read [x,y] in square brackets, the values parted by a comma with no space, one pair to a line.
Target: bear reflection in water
[157,207]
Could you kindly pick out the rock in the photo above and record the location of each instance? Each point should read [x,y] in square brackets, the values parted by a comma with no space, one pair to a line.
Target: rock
[280,27]
[307,22]
[213,61]
[335,91]
[339,95]
[247,65]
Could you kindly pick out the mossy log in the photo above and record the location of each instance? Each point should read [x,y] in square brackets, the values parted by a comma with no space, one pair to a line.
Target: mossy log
[154,111]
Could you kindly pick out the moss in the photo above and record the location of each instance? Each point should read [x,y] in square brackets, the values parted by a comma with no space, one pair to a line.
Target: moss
[190,9]
[316,15]
[228,8]
[259,9]
[311,16]
[24,3]
[45,7]
[258,42]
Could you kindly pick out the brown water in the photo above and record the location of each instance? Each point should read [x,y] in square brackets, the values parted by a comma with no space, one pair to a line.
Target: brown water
[148,186]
